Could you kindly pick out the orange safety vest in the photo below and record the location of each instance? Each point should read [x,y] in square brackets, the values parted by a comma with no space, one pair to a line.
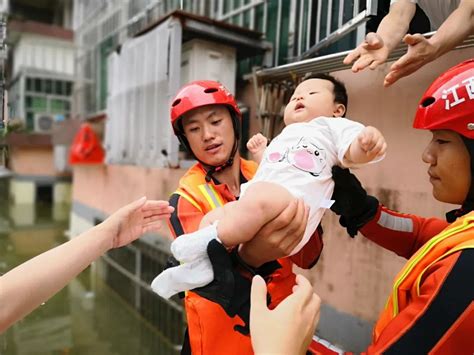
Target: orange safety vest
[211,330]
[456,237]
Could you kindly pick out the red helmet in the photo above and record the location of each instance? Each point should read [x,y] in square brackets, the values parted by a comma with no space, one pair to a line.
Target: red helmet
[197,94]
[449,102]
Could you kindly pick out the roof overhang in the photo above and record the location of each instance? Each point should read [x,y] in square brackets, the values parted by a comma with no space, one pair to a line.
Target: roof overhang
[248,43]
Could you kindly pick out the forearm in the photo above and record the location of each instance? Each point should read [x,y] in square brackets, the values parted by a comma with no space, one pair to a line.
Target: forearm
[454,30]
[401,233]
[27,286]
[395,25]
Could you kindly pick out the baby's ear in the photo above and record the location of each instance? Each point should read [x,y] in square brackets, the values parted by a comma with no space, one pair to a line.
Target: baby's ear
[339,110]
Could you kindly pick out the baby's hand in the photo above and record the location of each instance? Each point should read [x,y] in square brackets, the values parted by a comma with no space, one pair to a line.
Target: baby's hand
[372,142]
[257,143]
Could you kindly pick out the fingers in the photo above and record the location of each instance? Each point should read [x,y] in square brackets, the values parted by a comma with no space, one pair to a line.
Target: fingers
[155,204]
[168,210]
[296,228]
[258,296]
[137,203]
[394,75]
[420,52]
[375,64]
[363,62]
[372,41]
[411,40]
[352,56]
[303,289]
[286,216]
[301,223]
[403,61]
[157,217]
[258,140]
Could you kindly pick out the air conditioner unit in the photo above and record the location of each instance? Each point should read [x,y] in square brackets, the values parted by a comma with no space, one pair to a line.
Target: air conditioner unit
[43,122]
[204,60]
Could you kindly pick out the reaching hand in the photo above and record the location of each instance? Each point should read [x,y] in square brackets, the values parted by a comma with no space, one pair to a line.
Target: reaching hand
[370,53]
[257,143]
[287,329]
[372,142]
[420,52]
[135,219]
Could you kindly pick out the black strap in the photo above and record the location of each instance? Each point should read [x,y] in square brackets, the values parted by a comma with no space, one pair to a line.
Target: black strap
[453,298]
[174,219]
[186,349]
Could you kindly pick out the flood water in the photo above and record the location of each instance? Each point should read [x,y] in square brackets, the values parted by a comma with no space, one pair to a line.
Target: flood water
[86,317]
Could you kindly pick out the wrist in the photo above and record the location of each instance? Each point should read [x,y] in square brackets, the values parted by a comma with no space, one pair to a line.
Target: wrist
[248,258]
[436,49]
[104,235]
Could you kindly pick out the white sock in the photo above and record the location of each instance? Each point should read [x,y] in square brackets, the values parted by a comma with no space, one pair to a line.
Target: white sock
[183,278]
[192,246]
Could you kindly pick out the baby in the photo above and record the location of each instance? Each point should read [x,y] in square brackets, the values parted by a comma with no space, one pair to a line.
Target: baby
[297,163]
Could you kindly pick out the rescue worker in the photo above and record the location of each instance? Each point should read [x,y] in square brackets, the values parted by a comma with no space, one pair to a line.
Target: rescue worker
[431,306]
[208,108]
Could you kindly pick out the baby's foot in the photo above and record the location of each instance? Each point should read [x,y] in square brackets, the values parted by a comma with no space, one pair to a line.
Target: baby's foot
[192,246]
[184,277]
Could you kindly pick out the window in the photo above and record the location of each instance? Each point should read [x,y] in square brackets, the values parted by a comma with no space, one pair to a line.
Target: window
[29,84]
[38,86]
[38,104]
[68,88]
[57,106]
[58,87]
[48,86]
[30,124]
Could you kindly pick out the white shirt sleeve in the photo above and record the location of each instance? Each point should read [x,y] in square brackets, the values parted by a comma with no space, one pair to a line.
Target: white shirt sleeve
[343,132]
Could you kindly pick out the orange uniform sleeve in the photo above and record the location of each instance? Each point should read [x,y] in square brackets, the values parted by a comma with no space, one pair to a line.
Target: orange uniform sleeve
[401,233]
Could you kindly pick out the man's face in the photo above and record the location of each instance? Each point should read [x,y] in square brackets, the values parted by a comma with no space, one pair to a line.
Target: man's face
[312,98]
[210,133]
[449,170]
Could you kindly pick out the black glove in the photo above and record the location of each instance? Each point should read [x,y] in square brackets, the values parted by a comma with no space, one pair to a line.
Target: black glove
[230,289]
[352,203]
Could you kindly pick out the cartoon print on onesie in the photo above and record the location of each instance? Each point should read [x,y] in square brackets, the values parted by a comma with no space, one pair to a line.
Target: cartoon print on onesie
[305,156]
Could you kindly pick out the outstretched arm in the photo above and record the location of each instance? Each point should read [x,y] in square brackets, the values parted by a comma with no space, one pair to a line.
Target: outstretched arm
[377,46]
[421,51]
[27,286]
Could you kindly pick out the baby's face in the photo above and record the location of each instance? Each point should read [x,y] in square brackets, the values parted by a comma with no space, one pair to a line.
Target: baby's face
[312,98]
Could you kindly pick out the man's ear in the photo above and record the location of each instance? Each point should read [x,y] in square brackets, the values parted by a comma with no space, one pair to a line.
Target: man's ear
[339,110]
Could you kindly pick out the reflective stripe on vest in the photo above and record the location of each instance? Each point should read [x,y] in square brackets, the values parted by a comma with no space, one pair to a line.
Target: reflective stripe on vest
[188,198]
[468,245]
[466,224]
[211,195]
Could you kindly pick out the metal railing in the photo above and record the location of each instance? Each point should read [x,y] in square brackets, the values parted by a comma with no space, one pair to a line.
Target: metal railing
[129,272]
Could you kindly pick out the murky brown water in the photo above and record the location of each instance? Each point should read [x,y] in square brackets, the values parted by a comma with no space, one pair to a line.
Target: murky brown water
[86,317]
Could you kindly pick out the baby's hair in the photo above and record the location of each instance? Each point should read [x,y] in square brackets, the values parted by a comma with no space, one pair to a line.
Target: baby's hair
[340,93]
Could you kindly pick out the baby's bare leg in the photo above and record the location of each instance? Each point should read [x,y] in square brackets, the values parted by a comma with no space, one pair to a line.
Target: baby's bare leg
[215,215]
[239,221]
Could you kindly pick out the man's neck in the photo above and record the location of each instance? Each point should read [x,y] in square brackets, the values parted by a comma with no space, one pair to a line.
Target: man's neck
[231,176]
